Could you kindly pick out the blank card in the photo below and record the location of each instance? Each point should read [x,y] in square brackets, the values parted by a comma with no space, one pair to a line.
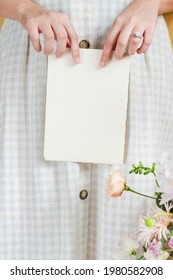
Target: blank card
[86,109]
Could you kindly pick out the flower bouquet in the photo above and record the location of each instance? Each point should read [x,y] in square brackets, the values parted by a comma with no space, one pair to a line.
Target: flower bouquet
[154,236]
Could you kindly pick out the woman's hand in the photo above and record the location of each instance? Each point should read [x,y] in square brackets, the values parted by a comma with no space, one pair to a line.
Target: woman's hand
[141,17]
[54,26]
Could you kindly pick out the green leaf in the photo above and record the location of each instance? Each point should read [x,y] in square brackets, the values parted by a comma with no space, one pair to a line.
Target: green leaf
[158,199]
[154,166]
[170,227]
[157,193]
[145,249]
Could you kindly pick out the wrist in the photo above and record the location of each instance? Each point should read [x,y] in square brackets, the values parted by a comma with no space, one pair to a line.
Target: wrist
[28,9]
[153,4]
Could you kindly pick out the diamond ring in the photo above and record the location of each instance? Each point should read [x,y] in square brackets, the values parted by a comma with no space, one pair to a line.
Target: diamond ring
[136,35]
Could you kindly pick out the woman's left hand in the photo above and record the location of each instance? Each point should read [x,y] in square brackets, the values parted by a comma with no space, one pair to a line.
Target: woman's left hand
[141,17]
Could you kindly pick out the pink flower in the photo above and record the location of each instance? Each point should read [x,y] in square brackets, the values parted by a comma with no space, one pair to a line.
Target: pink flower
[154,252]
[170,243]
[116,184]
[154,248]
[159,229]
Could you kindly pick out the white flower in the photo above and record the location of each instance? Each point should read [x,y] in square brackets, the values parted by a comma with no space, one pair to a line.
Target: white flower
[150,256]
[128,249]
[159,229]
[164,255]
[165,177]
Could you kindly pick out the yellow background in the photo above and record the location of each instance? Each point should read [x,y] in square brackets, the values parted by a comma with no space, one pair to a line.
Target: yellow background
[168,18]
[1,21]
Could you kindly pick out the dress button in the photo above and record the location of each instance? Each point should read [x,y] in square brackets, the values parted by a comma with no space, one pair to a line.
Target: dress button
[84,44]
[83,194]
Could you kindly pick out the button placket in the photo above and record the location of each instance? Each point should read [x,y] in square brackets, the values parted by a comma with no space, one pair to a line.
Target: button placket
[83,194]
[85,180]
[84,44]
[86,36]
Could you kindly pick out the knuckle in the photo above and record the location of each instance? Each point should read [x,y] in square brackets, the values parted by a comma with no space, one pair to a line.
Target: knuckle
[63,16]
[121,44]
[33,38]
[74,37]
[52,14]
[49,35]
[62,36]
[152,24]
[56,16]
[109,40]
[119,20]
[30,24]
[133,20]
[30,21]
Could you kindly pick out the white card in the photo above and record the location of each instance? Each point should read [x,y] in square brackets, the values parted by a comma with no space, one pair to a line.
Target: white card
[86,109]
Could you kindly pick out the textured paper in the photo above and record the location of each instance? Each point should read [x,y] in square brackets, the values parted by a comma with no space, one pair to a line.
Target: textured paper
[86,109]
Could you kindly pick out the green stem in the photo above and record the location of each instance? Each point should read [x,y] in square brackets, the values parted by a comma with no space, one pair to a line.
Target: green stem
[140,258]
[156,180]
[130,190]
[157,183]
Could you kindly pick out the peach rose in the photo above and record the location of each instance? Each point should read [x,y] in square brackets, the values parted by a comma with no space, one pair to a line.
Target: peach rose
[116,184]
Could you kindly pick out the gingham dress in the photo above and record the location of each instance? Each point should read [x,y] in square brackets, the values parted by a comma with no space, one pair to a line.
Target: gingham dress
[41,213]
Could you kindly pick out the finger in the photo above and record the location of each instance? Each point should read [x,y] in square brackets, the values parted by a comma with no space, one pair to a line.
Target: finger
[148,36]
[73,41]
[122,42]
[48,39]
[109,46]
[61,36]
[135,42]
[111,41]
[35,38]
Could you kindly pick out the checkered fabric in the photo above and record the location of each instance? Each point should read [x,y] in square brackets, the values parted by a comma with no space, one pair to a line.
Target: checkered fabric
[41,213]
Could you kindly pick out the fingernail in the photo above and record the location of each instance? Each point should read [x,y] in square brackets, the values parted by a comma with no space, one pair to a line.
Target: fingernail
[118,57]
[102,63]
[59,55]
[77,59]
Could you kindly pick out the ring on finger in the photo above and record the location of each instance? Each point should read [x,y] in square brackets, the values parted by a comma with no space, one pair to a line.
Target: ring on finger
[136,35]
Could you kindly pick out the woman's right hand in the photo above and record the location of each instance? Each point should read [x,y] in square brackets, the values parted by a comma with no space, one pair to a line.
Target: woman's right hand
[53,26]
